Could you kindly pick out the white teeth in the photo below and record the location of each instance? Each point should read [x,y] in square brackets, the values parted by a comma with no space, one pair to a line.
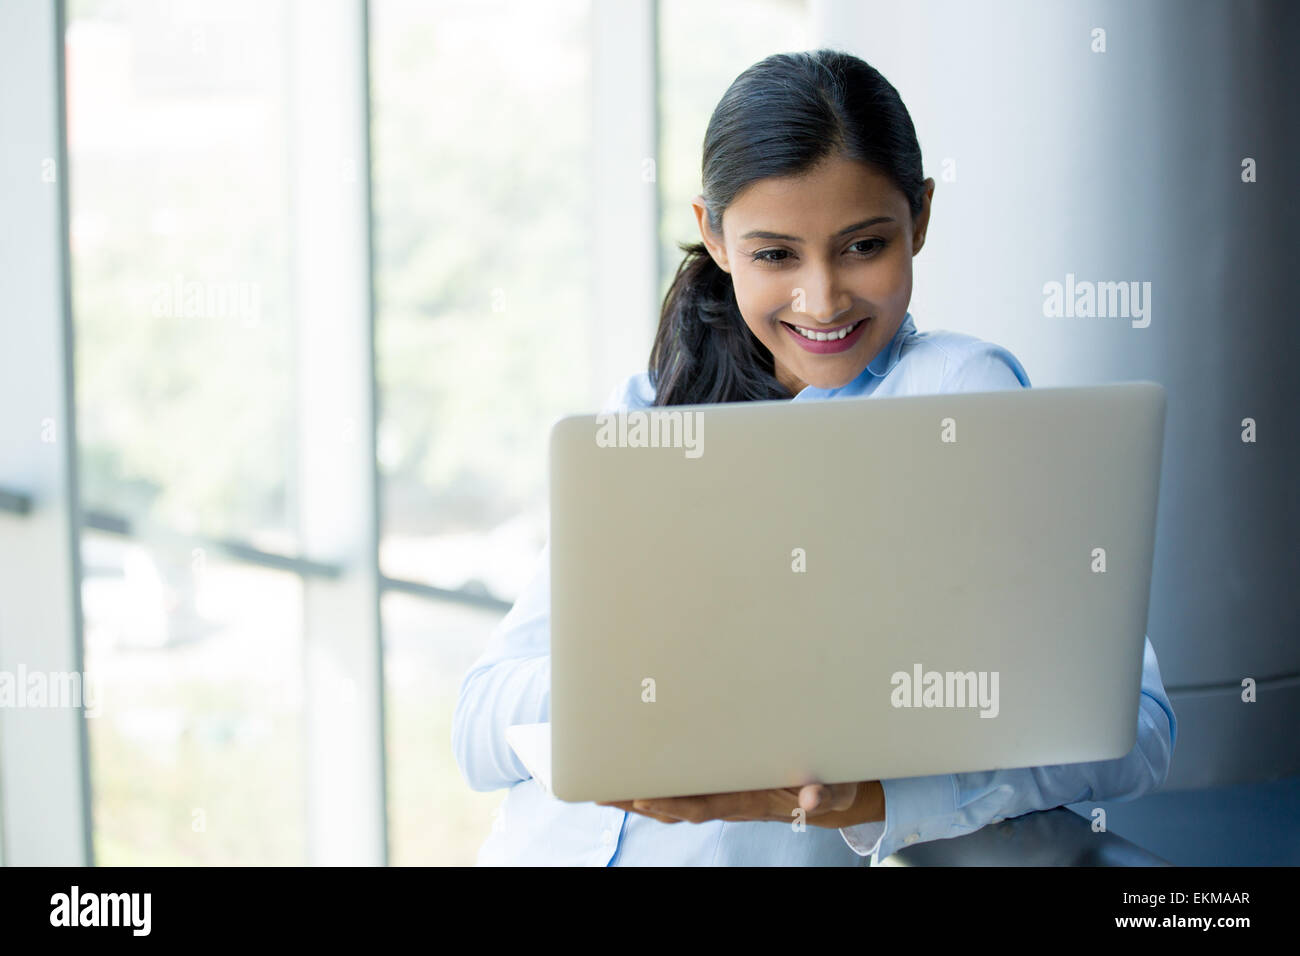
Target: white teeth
[825,336]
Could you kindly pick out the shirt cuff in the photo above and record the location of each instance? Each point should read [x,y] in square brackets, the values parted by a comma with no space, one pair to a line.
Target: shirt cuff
[916,809]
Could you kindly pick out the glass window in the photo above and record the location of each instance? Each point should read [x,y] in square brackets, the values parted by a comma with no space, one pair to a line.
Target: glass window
[433,818]
[181,184]
[702,48]
[194,665]
[481,130]
[185,421]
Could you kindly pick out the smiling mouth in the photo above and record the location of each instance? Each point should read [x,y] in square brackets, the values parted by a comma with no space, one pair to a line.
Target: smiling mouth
[825,335]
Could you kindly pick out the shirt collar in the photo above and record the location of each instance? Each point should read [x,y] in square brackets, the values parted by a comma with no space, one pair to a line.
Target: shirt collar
[878,367]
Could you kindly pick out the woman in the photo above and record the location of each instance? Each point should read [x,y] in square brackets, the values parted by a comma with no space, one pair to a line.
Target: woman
[813,205]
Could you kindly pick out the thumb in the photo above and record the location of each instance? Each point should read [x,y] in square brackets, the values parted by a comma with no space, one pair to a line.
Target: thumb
[826,798]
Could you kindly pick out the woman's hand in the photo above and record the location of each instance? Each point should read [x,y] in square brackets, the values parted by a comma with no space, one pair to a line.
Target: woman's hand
[832,805]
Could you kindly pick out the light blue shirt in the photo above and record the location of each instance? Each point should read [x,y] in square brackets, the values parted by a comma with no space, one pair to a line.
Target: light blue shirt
[511,684]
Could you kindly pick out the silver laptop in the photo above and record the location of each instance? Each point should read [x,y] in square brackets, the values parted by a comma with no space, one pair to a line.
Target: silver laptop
[760,595]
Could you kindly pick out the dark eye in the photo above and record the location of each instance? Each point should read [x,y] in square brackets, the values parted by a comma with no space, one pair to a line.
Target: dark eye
[860,242]
[767,254]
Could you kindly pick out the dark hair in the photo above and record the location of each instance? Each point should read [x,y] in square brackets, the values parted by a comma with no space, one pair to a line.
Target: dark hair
[780,117]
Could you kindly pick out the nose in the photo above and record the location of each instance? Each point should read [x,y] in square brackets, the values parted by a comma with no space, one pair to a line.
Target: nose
[824,300]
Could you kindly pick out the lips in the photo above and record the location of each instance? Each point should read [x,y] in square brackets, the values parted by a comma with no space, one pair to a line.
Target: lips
[827,341]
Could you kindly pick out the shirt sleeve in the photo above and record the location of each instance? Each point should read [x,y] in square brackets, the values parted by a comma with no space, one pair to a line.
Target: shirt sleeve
[919,809]
[510,683]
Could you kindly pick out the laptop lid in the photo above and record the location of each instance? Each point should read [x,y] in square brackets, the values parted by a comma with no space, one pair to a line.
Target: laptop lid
[759,595]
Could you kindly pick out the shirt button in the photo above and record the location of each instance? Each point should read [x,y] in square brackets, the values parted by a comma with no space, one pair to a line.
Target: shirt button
[607,837]
[912,838]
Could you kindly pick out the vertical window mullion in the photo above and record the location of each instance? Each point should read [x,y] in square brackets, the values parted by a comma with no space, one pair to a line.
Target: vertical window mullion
[44,778]
[336,487]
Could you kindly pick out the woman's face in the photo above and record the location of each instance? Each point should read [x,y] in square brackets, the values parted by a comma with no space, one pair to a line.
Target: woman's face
[824,252]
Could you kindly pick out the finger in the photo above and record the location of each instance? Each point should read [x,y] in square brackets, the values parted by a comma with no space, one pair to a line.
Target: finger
[827,798]
[672,808]
[811,797]
[655,816]
[842,795]
[620,804]
[698,809]
[629,806]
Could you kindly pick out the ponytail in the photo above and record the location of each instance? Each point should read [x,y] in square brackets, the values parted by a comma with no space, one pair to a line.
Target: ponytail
[704,352]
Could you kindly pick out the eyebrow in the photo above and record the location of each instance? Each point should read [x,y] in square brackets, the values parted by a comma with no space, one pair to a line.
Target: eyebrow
[764,234]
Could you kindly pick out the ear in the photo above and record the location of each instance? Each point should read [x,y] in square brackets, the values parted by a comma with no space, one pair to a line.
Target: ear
[923,218]
[712,241]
